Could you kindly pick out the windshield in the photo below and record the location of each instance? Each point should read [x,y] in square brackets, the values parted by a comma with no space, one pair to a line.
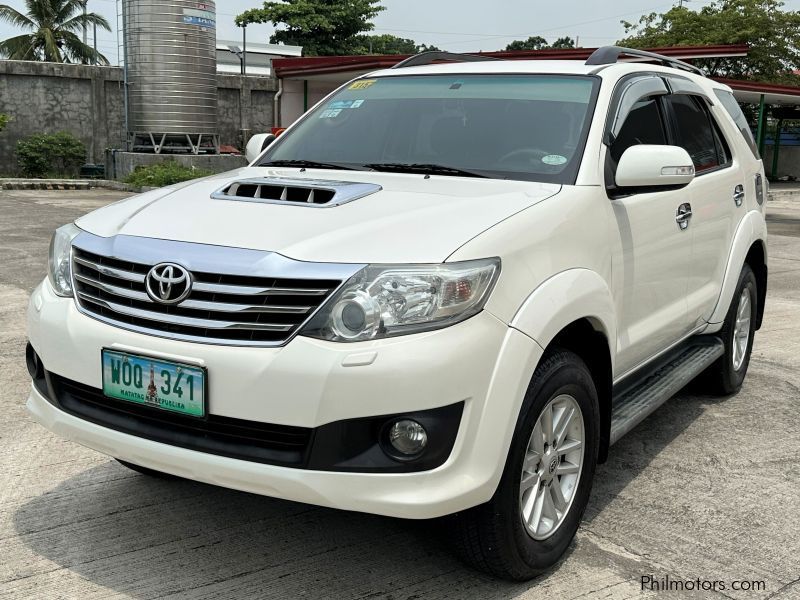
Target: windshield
[527,127]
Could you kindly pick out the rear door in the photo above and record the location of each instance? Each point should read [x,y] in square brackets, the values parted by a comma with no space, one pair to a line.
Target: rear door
[716,196]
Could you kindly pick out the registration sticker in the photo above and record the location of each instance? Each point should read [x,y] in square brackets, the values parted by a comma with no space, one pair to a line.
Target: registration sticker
[554,159]
[340,104]
[330,114]
[362,84]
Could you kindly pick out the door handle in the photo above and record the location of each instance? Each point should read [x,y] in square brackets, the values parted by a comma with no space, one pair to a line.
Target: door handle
[738,195]
[683,215]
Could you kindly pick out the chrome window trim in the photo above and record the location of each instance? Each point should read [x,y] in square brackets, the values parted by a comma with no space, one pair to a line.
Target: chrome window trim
[343,191]
[205,258]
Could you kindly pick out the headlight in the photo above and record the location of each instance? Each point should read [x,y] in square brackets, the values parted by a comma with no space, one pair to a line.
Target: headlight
[60,259]
[388,300]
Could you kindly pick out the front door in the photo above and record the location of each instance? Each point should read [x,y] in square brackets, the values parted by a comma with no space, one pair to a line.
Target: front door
[650,270]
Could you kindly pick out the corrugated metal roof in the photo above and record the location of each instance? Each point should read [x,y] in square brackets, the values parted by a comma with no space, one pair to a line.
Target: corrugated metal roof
[321,65]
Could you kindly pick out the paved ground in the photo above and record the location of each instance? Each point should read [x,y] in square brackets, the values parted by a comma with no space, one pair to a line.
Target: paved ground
[704,488]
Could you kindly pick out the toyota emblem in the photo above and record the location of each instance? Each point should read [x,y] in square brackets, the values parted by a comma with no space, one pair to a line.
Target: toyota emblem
[168,283]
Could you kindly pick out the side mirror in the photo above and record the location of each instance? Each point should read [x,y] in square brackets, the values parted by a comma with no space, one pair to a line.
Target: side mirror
[257,144]
[646,166]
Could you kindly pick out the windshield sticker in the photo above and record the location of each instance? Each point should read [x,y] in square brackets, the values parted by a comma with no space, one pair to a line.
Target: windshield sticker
[340,104]
[554,159]
[329,114]
[361,84]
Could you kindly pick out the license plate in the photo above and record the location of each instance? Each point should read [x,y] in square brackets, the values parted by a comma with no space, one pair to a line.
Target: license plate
[154,382]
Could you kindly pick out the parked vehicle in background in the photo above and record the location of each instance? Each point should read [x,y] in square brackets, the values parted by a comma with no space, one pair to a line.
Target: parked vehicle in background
[447,290]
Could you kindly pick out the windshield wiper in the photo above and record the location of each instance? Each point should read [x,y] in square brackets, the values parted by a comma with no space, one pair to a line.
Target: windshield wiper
[425,168]
[311,164]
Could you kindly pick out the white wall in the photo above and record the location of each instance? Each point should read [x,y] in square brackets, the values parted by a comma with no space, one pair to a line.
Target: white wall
[292,98]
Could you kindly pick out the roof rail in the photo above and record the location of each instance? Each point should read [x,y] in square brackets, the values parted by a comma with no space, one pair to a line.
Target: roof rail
[609,55]
[426,58]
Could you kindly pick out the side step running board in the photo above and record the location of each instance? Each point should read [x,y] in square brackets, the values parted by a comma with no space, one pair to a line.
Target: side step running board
[635,401]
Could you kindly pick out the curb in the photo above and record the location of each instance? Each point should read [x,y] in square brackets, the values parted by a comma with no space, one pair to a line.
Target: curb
[69,184]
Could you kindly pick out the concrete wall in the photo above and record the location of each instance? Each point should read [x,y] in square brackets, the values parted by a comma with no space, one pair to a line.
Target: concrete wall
[788,161]
[87,101]
[121,164]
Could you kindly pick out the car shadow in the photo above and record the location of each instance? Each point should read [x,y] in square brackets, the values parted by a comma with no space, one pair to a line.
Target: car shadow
[148,537]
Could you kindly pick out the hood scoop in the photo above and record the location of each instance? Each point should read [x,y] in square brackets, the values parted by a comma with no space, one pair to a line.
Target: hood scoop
[312,193]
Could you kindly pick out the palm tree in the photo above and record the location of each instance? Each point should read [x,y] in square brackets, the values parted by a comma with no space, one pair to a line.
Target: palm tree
[54,26]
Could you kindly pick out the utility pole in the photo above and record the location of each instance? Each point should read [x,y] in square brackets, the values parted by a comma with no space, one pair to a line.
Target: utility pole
[85,28]
[125,71]
[94,38]
[244,50]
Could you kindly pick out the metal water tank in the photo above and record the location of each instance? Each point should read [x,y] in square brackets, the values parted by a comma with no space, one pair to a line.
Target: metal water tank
[172,67]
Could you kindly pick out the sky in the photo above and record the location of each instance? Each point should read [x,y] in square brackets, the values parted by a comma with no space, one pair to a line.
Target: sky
[455,25]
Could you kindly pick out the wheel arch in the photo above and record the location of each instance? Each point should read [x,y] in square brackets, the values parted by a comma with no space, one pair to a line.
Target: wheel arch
[748,247]
[586,338]
[757,260]
[574,310]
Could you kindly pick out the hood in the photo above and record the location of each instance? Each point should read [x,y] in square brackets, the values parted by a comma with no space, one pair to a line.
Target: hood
[412,219]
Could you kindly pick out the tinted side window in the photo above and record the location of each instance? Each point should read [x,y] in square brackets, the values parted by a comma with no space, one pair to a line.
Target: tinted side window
[643,125]
[697,134]
[735,111]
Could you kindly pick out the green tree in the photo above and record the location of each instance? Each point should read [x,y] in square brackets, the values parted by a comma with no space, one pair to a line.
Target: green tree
[539,43]
[322,27]
[54,27]
[390,44]
[773,35]
[564,42]
[532,43]
[4,119]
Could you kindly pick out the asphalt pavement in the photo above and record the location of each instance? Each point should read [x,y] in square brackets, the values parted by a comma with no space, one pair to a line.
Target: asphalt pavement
[705,489]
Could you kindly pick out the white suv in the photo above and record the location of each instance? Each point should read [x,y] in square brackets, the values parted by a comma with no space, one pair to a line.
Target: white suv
[446,290]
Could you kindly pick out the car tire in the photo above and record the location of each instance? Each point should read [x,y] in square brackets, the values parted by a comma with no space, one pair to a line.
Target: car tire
[146,471]
[495,537]
[726,375]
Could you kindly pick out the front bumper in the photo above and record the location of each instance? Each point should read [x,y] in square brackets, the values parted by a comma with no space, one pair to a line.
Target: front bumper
[309,383]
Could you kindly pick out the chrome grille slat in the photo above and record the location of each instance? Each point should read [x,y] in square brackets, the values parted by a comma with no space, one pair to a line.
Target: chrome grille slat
[244,290]
[247,307]
[112,289]
[197,304]
[180,320]
[273,309]
[111,272]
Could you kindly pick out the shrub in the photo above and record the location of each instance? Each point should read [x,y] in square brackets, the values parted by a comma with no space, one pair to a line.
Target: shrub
[57,154]
[164,173]
[4,119]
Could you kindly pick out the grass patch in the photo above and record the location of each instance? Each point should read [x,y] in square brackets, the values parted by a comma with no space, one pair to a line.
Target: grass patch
[168,172]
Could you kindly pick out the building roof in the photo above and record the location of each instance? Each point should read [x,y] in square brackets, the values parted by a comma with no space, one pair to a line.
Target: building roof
[323,67]
[339,69]
[751,92]
[267,49]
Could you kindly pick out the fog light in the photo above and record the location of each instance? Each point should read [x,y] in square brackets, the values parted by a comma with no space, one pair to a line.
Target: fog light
[408,437]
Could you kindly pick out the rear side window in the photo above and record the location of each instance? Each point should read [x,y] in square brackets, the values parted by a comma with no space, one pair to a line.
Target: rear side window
[643,125]
[735,111]
[696,132]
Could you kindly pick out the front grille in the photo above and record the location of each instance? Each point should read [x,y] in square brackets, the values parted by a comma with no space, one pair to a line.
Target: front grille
[224,436]
[221,308]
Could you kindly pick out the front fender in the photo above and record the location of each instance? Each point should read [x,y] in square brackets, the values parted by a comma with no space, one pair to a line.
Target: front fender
[751,229]
[563,299]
